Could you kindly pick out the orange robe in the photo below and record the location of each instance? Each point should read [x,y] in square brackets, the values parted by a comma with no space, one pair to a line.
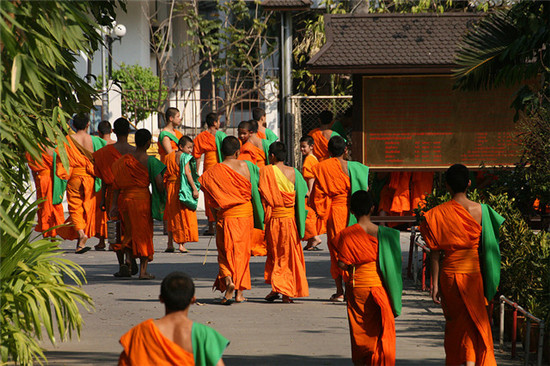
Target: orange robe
[132,179]
[256,156]
[174,145]
[285,268]
[103,162]
[449,227]
[314,225]
[145,345]
[231,193]
[320,146]
[370,316]
[48,214]
[80,193]
[180,220]
[422,184]
[330,200]
[205,143]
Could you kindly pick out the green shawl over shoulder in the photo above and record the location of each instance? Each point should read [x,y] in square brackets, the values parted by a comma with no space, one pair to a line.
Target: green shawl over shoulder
[170,135]
[208,345]
[335,133]
[300,205]
[98,143]
[270,136]
[389,260]
[256,200]
[59,186]
[158,199]
[186,192]
[359,179]
[220,135]
[489,255]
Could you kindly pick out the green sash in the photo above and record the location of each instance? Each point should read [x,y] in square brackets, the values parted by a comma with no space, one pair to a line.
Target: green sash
[208,345]
[220,135]
[339,129]
[256,200]
[389,260]
[59,186]
[266,144]
[270,136]
[158,200]
[334,133]
[359,179]
[489,256]
[186,192]
[98,143]
[300,204]
[172,137]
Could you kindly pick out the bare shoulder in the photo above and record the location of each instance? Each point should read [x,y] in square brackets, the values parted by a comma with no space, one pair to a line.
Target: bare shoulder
[474,209]
[289,172]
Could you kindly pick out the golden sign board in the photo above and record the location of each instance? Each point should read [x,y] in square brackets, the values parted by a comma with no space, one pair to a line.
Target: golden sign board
[421,122]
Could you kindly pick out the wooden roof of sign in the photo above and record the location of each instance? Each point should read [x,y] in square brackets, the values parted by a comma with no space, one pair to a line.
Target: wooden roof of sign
[287,5]
[376,44]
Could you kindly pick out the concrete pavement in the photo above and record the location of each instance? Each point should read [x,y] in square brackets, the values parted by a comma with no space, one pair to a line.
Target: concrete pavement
[312,331]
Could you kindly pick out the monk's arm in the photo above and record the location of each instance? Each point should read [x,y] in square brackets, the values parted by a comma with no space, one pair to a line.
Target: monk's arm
[343,266]
[310,186]
[220,363]
[434,258]
[191,181]
[166,145]
[159,182]
[103,192]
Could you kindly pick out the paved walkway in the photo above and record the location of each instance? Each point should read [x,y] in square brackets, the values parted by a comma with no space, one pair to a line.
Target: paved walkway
[312,331]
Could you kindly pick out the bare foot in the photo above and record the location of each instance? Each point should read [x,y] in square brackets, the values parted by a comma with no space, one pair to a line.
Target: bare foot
[229,291]
[239,297]
[287,300]
[182,248]
[146,276]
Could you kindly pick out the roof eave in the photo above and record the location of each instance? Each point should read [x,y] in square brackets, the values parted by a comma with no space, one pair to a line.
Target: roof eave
[384,69]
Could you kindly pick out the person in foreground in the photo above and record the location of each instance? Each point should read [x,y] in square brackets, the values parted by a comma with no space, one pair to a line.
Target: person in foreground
[173,339]
[455,229]
[283,191]
[371,255]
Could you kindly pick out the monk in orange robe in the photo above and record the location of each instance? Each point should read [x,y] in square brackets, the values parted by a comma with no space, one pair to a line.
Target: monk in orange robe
[229,191]
[370,315]
[252,150]
[330,200]
[104,159]
[48,214]
[285,268]
[80,186]
[181,220]
[422,184]
[205,144]
[168,142]
[131,182]
[454,227]
[322,135]
[314,225]
[104,131]
[173,339]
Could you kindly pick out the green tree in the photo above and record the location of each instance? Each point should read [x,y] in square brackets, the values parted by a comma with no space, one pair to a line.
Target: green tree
[40,90]
[142,92]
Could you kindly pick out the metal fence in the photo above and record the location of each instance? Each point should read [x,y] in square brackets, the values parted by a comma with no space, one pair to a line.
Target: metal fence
[306,111]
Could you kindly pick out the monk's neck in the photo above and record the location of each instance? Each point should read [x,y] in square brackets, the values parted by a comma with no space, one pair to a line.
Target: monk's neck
[169,128]
[460,197]
[324,127]
[121,140]
[279,164]
[177,313]
[230,158]
[367,225]
[212,130]
[81,133]
[140,153]
[341,159]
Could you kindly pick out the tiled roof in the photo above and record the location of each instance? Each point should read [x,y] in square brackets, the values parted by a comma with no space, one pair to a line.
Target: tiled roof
[286,4]
[405,43]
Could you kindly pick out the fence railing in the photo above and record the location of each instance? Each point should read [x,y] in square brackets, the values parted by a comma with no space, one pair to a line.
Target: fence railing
[529,318]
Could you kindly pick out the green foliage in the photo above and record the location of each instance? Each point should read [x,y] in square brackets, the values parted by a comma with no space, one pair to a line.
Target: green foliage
[525,255]
[140,91]
[506,48]
[40,90]
[34,295]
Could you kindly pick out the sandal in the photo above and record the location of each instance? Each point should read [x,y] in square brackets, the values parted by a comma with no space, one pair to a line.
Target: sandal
[337,298]
[170,250]
[82,250]
[123,271]
[272,297]
[226,301]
